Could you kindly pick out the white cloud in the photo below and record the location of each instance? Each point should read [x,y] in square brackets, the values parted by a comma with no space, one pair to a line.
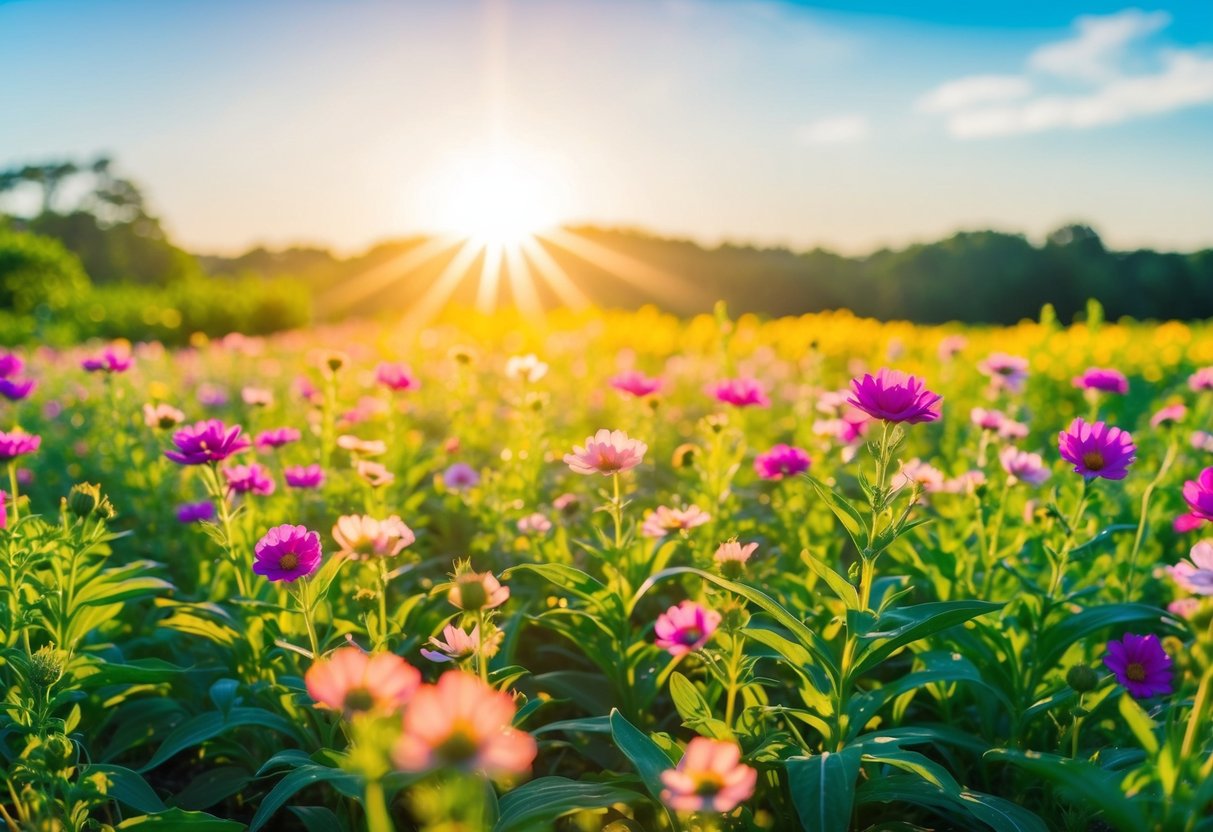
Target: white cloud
[834,130]
[1098,57]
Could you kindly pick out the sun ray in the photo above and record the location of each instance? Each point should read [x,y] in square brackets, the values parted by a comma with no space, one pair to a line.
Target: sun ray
[430,304]
[490,277]
[666,286]
[522,282]
[362,286]
[554,276]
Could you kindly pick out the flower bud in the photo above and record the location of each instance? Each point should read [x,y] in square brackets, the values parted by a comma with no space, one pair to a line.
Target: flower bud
[46,666]
[1082,678]
[86,500]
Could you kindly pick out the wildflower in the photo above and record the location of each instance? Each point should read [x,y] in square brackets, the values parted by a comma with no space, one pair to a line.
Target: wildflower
[354,682]
[525,367]
[952,346]
[248,479]
[685,628]
[162,416]
[16,389]
[740,392]
[1103,379]
[286,553]
[1201,380]
[534,524]
[567,503]
[460,645]
[212,395]
[1097,450]
[361,447]
[332,361]
[1011,429]
[731,557]
[1022,466]
[1169,415]
[782,461]
[664,520]
[361,536]
[11,364]
[684,455]
[477,591]
[990,420]
[375,474]
[195,512]
[916,471]
[277,437]
[463,723]
[303,476]
[965,483]
[636,383]
[257,396]
[396,377]
[710,777]
[606,452]
[893,396]
[460,476]
[209,441]
[115,358]
[15,443]
[1195,575]
[1140,664]
[1184,607]
[1008,372]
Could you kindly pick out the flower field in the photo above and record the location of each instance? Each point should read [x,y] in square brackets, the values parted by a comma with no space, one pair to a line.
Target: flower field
[612,571]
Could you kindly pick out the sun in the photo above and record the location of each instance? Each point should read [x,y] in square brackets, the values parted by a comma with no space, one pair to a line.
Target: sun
[497,198]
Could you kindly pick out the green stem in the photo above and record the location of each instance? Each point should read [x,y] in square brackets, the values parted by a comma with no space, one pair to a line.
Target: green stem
[617,512]
[1167,461]
[15,493]
[482,661]
[382,601]
[305,607]
[377,817]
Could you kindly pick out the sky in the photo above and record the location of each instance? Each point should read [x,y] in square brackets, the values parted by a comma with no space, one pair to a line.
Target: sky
[850,125]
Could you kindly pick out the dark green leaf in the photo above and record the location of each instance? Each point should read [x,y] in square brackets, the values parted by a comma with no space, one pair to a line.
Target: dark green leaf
[537,804]
[823,789]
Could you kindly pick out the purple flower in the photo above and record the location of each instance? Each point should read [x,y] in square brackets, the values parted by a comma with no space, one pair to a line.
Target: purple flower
[286,553]
[1198,494]
[212,395]
[15,443]
[248,479]
[782,461]
[113,359]
[208,441]
[636,383]
[740,392]
[1106,380]
[195,512]
[1097,450]
[1023,466]
[303,476]
[1141,665]
[460,476]
[398,377]
[1195,575]
[16,389]
[276,437]
[10,364]
[893,396]
[1005,371]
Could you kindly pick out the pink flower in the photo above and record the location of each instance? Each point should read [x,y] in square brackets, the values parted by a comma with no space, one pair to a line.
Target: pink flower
[462,723]
[952,346]
[1195,575]
[396,377]
[1097,450]
[782,461]
[893,396]
[1022,466]
[461,645]
[1008,372]
[535,524]
[115,358]
[710,777]
[923,473]
[1202,441]
[460,476]
[14,443]
[287,553]
[248,479]
[303,476]
[1169,415]
[1201,380]
[11,364]
[277,437]
[636,383]
[209,441]
[740,392]
[257,396]
[606,452]
[965,483]
[374,474]
[477,591]
[162,416]
[1103,379]
[361,536]
[361,447]
[990,420]
[353,682]
[685,628]
[731,557]
[1184,607]
[664,520]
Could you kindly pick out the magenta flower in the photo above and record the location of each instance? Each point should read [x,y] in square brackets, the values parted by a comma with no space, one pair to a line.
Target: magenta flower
[1097,450]
[1141,665]
[1022,466]
[1195,575]
[397,377]
[460,476]
[1008,372]
[15,443]
[893,396]
[664,520]
[209,441]
[1104,380]
[636,383]
[248,479]
[606,452]
[710,777]
[303,476]
[195,512]
[782,461]
[11,364]
[1170,415]
[1201,380]
[115,358]
[740,392]
[286,553]
[277,437]
[1198,494]
[685,628]
[16,389]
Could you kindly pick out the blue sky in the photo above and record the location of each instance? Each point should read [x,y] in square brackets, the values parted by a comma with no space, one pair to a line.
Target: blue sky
[848,125]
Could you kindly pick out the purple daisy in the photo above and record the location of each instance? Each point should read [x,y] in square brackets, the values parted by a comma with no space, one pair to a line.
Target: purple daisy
[15,443]
[1103,379]
[782,461]
[303,476]
[1097,450]
[16,389]
[208,441]
[894,396]
[1141,665]
[287,553]
[195,512]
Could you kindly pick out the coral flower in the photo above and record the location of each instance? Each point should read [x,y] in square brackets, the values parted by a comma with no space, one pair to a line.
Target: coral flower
[374,474]
[710,777]
[636,383]
[1009,372]
[115,358]
[303,476]
[16,389]
[353,682]
[361,536]
[664,520]
[460,645]
[277,437]
[1170,415]
[15,443]
[248,479]
[1097,450]
[397,377]
[685,628]
[460,476]
[1103,379]
[782,461]
[477,591]
[606,452]
[361,447]
[1140,664]
[1195,575]
[1022,466]
[465,724]
[740,392]
[209,441]
[195,512]
[893,396]
[286,553]
[162,416]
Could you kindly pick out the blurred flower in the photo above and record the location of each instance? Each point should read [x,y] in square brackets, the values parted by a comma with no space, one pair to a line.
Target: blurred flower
[465,724]
[306,390]
[685,628]
[212,395]
[460,476]
[15,443]
[277,437]
[1184,607]
[1022,466]
[664,520]
[990,420]
[1011,429]
[606,452]
[740,392]
[397,377]
[115,358]
[1103,379]
[566,503]
[11,364]
[1140,665]
[782,461]
[1097,450]
[916,471]
[248,479]
[162,416]
[525,367]
[361,447]
[16,389]
[195,512]
[362,536]
[893,396]
[1195,575]
[731,557]
[1200,380]
[286,553]
[460,645]
[710,777]
[534,524]
[477,591]
[353,682]
[1169,415]
[1008,372]
[303,476]
[257,396]
[965,483]
[375,474]
[636,383]
[209,441]
[951,346]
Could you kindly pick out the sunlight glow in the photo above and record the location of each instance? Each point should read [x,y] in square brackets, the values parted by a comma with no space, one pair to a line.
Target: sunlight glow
[497,197]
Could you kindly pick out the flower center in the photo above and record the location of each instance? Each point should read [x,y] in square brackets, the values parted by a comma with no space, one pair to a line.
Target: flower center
[707,783]
[1093,461]
[358,699]
[288,561]
[1135,672]
[460,745]
[690,635]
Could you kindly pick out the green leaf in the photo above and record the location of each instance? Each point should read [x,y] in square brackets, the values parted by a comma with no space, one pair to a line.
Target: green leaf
[1001,815]
[1139,723]
[841,587]
[211,724]
[823,789]
[298,779]
[96,673]
[127,787]
[1073,628]
[172,820]
[693,708]
[907,625]
[537,804]
[101,591]
[648,758]
[316,818]
[847,514]
[591,725]
[917,764]
[210,787]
